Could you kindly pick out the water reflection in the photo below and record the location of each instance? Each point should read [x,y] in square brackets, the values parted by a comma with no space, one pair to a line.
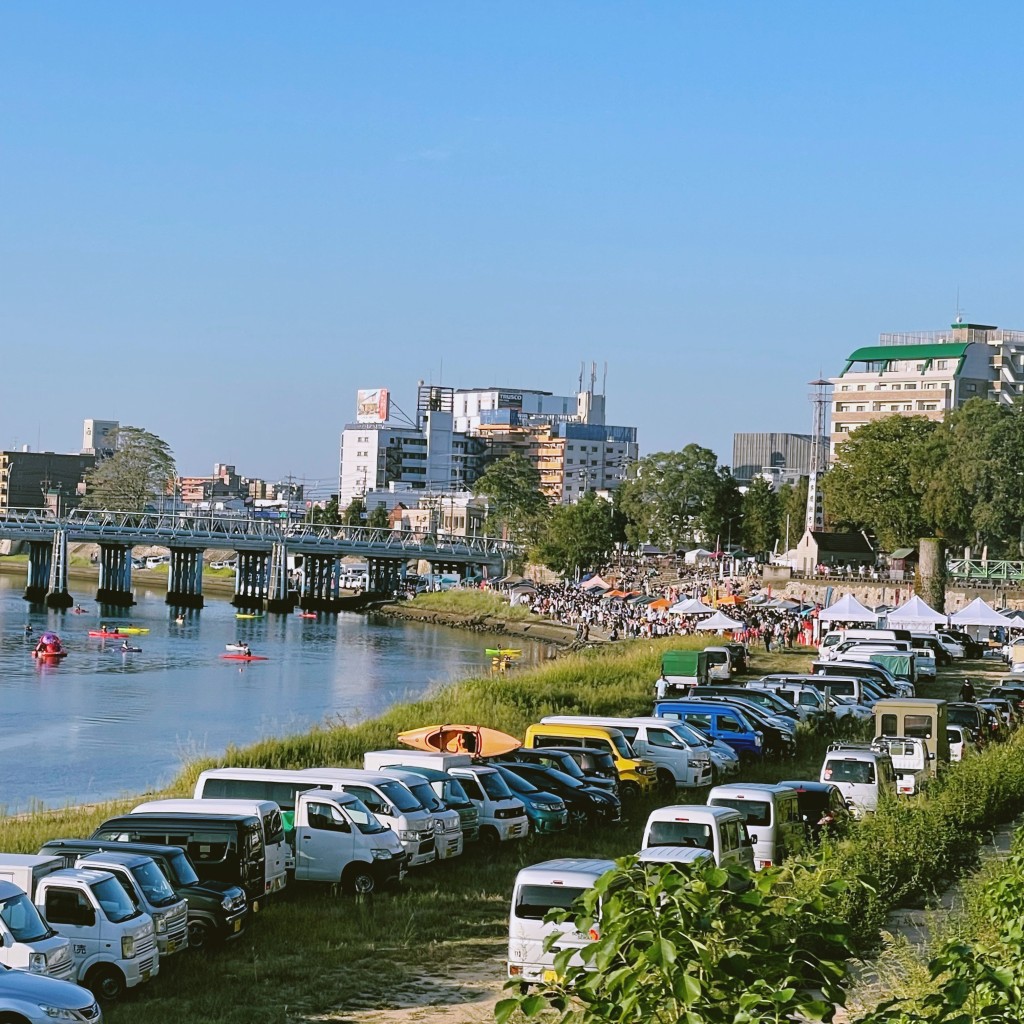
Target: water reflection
[103,723]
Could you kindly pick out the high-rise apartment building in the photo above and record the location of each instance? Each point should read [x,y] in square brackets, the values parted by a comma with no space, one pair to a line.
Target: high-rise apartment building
[926,373]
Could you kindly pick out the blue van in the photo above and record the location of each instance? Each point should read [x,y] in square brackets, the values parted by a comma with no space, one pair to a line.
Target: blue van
[724,722]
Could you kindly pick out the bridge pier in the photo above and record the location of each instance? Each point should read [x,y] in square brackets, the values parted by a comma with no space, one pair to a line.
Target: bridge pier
[280,598]
[321,584]
[115,584]
[185,578]
[58,595]
[384,575]
[40,552]
[252,571]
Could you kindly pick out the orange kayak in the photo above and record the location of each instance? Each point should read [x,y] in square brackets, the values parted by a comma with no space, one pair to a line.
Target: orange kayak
[475,740]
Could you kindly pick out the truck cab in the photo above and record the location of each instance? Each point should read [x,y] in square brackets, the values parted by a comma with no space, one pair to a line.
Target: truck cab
[912,760]
[27,942]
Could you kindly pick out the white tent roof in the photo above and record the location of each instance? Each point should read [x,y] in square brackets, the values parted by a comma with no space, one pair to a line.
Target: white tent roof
[691,556]
[720,621]
[595,582]
[847,609]
[915,614]
[977,613]
[691,606]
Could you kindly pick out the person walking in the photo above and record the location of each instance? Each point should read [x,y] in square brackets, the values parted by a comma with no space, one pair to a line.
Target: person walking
[967,692]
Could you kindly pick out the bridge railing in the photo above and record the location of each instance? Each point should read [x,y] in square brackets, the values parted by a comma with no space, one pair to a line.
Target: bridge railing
[168,528]
[987,569]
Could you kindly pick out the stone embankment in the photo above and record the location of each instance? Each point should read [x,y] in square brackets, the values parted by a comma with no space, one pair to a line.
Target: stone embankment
[895,592]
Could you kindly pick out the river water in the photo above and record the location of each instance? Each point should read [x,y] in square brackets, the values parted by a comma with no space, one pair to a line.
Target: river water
[102,724]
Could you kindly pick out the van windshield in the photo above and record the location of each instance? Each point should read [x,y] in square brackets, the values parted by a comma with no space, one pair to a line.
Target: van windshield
[363,818]
[153,885]
[400,796]
[494,786]
[454,794]
[426,796]
[116,904]
[22,919]
[621,744]
[755,812]
[534,901]
[681,833]
[861,773]
[181,869]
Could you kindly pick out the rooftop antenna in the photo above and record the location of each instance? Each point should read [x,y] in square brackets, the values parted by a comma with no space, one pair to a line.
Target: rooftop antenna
[593,376]
[959,311]
[815,518]
[604,379]
[583,369]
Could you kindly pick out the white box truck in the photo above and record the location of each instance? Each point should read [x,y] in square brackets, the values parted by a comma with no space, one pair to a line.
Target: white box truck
[112,938]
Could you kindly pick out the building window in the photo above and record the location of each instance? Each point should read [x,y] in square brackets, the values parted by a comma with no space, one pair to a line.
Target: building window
[910,387]
[860,408]
[845,387]
[896,387]
[860,387]
[970,387]
[941,364]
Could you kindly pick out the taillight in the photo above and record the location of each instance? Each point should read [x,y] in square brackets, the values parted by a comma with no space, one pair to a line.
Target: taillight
[594,934]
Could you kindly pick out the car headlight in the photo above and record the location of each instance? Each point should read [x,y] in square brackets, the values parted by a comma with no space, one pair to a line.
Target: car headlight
[438,825]
[228,902]
[127,947]
[58,1012]
[37,963]
[160,923]
[407,836]
[557,805]
[381,854]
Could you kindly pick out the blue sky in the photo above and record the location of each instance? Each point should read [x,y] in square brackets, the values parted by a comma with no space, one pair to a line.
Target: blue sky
[219,220]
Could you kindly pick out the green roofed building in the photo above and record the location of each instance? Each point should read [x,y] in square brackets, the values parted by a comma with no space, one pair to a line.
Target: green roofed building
[926,373]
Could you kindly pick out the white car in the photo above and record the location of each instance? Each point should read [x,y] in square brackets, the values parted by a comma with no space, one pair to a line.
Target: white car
[35,999]
[960,743]
[924,662]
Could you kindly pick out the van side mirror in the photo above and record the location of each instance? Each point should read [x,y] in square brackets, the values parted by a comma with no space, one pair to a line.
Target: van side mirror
[931,755]
[751,839]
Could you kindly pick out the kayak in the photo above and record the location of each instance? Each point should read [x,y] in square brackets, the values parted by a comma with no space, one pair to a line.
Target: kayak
[120,632]
[239,615]
[307,615]
[477,740]
[502,652]
[252,657]
[130,650]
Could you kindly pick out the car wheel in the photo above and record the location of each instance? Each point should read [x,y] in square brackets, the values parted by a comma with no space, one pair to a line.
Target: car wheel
[489,836]
[666,782]
[359,880]
[106,983]
[200,936]
[630,791]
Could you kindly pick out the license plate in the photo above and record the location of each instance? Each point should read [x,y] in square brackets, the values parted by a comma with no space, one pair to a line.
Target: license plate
[237,926]
[172,947]
[145,975]
[255,906]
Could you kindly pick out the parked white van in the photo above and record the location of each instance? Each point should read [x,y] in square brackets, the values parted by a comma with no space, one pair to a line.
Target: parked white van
[551,885]
[448,837]
[500,813]
[834,637]
[274,843]
[772,817]
[680,762]
[912,760]
[721,830]
[861,774]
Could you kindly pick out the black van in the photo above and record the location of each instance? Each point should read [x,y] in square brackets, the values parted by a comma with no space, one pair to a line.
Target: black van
[217,911]
[225,848]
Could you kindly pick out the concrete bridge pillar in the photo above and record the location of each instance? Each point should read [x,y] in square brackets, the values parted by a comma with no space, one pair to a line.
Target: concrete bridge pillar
[252,572]
[321,584]
[185,578]
[58,595]
[280,597]
[115,586]
[39,554]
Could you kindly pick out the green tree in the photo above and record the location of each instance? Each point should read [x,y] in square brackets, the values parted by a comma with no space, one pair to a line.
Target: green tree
[355,513]
[378,517]
[679,944]
[140,472]
[760,517]
[577,537]
[673,496]
[516,507]
[328,515]
[875,482]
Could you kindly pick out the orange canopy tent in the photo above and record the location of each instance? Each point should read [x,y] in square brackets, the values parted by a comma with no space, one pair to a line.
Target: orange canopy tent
[662,602]
[733,599]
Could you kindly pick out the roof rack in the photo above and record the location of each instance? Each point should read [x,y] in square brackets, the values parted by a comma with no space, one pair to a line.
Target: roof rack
[848,745]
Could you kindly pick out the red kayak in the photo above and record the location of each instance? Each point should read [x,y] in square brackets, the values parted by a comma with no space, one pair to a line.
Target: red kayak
[307,615]
[244,657]
[109,632]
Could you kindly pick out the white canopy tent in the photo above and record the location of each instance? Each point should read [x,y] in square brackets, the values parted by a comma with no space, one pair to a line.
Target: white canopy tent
[720,621]
[696,555]
[847,609]
[978,613]
[691,606]
[915,614]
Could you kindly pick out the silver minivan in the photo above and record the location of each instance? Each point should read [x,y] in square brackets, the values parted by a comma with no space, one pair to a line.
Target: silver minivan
[772,816]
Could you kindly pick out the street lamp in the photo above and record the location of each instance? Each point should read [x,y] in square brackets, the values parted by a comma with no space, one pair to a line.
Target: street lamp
[584,475]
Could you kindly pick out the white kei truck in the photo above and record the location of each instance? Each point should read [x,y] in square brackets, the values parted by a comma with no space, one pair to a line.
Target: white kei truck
[112,938]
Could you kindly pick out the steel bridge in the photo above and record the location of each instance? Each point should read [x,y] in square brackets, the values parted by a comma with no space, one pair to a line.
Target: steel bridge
[263,548]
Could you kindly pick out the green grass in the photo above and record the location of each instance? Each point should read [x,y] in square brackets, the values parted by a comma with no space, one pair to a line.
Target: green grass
[472,602]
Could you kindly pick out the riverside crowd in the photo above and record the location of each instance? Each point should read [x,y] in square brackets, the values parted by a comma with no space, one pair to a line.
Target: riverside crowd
[595,612]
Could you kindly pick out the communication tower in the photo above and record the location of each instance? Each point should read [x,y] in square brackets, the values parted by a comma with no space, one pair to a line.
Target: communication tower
[820,400]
